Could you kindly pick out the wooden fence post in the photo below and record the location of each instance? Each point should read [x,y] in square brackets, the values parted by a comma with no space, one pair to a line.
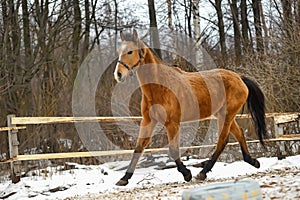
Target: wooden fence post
[13,142]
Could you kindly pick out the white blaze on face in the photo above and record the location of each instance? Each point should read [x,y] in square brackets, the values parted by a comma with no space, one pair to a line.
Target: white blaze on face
[116,72]
[121,50]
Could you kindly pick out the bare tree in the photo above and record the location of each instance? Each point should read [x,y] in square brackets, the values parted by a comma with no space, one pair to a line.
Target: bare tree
[76,35]
[222,36]
[196,20]
[170,18]
[258,25]
[188,15]
[26,34]
[197,32]
[154,35]
[236,29]
[87,28]
[116,25]
[245,26]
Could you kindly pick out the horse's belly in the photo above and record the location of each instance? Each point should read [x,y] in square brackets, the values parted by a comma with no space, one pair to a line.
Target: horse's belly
[195,114]
[202,107]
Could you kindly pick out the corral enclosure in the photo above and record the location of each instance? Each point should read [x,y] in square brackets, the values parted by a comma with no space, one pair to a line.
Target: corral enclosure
[43,51]
[197,140]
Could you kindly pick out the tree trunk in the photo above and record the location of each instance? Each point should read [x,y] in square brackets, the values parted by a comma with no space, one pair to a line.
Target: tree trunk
[287,17]
[27,73]
[218,7]
[258,26]
[197,32]
[94,18]
[237,34]
[245,26]
[188,15]
[116,26]
[196,20]
[170,19]
[265,28]
[6,42]
[26,35]
[76,29]
[15,30]
[76,37]
[86,42]
[154,36]
[15,36]
[297,16]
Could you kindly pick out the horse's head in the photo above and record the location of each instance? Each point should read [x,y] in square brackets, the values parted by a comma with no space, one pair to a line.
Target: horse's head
[130,56]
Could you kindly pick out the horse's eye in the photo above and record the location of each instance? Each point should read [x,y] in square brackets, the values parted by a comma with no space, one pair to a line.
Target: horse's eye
[129,52]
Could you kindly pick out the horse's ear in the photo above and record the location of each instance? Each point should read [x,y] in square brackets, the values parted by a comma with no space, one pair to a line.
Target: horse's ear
[135,35]
[122,35]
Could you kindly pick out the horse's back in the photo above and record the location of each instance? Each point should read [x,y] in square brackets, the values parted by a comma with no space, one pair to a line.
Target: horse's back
[216,89]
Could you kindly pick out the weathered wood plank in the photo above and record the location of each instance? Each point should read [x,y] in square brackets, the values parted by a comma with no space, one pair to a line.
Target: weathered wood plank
[71,155]
[292,136]
[279,118]
[12,128]
[285,118]
[52,120]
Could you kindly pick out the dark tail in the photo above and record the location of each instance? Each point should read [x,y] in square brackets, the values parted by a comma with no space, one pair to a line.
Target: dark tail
[256,107]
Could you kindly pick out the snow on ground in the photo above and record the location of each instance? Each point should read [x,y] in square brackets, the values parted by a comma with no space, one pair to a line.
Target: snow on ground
[92,180]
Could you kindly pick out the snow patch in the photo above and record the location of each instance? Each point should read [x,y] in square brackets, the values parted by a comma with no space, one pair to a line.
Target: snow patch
[90,179]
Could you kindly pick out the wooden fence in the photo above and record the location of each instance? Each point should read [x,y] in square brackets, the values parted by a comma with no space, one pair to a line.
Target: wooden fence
[16,123]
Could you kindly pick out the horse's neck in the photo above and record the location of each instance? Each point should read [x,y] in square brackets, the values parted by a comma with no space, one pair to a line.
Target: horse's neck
[150,57]
[150,72]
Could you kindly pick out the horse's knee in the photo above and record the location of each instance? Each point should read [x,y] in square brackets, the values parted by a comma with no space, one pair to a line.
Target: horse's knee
[142,143]
[174,153]
[138,149]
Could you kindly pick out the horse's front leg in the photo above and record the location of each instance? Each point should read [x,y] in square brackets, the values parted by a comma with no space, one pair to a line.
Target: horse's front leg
[144,138]
[174,142]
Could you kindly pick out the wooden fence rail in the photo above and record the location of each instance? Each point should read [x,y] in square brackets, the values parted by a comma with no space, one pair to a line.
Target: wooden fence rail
[61,120]
[48,156]
[15,159]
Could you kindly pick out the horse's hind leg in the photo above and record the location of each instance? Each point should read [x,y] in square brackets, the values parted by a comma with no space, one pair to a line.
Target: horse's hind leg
[237,132]
[174,138]
[224,126]
[145,134]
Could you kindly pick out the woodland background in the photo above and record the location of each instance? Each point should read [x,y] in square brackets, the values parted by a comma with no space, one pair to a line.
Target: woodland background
[43,43]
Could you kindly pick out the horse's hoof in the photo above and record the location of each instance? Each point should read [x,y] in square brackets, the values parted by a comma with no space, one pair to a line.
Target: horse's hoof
[188,177]
[201,176]
[122,183]
[256,164]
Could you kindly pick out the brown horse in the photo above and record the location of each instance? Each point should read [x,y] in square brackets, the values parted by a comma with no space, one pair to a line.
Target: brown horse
[171,96]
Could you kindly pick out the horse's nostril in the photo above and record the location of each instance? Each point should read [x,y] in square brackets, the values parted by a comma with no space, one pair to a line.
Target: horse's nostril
[119,75]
